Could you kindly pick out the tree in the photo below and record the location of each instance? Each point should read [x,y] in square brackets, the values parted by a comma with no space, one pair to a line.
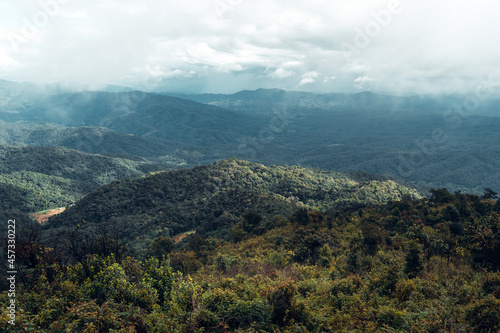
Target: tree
[413,261]
[162,246]
[251,221]
[451,213]
[281,301]
[325,256]
[373,235]
[441,196]
[301,216]
[158,274]
[489,194]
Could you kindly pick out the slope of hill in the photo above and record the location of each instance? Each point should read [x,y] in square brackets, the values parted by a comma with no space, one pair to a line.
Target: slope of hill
[198,132]
[145,114]
[53,176]
[213,198]
[391,135]
[95,140]
[408,266]
[380,134]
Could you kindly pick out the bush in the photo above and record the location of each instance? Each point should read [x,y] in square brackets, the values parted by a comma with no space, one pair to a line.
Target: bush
[219,300]
[325,256]
[347,286]
[492,285]
[388,281]
[280,299]
[245,313]
[159,276]
[405,290]
[301,216]
[389,317]
[441,196]
[413,262]
[484,315]
[90,317]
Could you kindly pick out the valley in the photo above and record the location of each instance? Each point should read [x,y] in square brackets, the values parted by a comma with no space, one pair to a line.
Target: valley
[263,210]
[257,166]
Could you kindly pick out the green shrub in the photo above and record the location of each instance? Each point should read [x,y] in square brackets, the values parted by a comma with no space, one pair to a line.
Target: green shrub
[347,286]
[392,318]
[413,261]
[405,289]
[484,315]
[325,256]
[245,313]
[492,285]
[158,275]
[219,300]
[280,299]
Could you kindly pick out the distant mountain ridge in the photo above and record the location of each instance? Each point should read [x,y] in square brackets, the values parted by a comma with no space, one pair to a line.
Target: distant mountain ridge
[261,99]
[96,140]
[379,134]
[144,114]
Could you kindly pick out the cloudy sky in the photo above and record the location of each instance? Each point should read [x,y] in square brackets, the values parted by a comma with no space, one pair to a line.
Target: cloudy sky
[421,46]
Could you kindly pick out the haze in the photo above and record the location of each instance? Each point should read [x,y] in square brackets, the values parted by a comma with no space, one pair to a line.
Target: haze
[398,47]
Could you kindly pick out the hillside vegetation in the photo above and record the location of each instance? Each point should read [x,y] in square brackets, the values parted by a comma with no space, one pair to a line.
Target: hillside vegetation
[95,140]
[406,266]
[419,139]
[211,199]
[145,114]
[36,178]
[380,134]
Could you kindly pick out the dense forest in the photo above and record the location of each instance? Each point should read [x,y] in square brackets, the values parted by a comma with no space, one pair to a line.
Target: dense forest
[49,177]
[211,199]
[421,139]
[424,265]
[95,140]
[160,232]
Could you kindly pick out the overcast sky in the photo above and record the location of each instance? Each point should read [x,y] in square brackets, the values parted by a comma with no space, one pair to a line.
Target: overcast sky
[421,46]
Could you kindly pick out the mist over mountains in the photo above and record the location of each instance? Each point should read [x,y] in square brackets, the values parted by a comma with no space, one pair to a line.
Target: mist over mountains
[250,166]
[433,141]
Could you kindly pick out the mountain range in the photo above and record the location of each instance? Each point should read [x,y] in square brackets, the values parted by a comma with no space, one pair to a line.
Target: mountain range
[159,227]
[417,139]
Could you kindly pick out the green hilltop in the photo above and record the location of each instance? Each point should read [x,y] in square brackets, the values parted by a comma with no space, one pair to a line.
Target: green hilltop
[211,199]
[36,178]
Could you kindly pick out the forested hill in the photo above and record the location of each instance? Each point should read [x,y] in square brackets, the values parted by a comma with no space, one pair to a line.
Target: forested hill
[211,199]
[145,114]
[407,266]
[33,178]
[95,140]
[418,139]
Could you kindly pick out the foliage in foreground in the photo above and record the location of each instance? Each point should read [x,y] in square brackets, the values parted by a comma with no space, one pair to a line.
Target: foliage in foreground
[420,266]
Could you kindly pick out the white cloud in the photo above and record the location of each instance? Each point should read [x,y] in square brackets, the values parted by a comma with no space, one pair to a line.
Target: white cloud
[309,77]
[361,81]
[326,79]
[257,43]
[281,73]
